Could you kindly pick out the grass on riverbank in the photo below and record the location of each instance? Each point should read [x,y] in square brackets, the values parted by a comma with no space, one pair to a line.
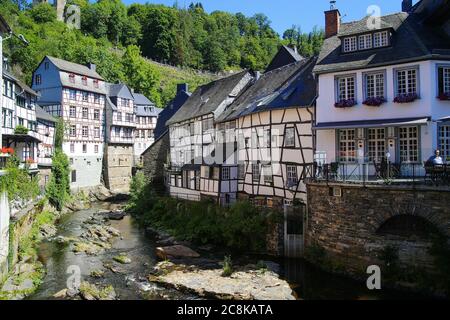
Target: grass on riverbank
[239,227]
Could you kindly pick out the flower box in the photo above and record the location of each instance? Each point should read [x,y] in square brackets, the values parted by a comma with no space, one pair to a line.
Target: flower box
[374,101]
[7,150]
[406,98]
[345,103]
[445,96]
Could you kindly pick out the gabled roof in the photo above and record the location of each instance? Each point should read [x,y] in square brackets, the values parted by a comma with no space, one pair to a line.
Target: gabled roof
[42,114]
[412,40]
[141,100]
[72,67]
[22,85]
[172,107]
[207,98]
[284,56]
[119,90]
[292,85]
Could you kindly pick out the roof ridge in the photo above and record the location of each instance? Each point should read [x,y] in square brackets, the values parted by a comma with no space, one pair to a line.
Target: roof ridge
[285,66]
[384,16]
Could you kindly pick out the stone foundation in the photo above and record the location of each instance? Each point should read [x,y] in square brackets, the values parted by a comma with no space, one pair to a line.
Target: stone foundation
[347,227]
[118,164]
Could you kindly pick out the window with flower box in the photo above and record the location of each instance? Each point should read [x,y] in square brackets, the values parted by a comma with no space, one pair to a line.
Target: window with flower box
[71,78]
[444,141]
[444,83]
[407,87]
[346,91]
[374,84]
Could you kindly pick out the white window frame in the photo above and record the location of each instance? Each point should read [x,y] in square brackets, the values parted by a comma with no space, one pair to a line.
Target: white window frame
[346,145]
[381,39]
[73,130]
[256,173]
[72,94]
[74,113]
[85,113]
[96,132]
[346,87]
[226,173]
[85,131]
[446,79]
[407,81]
[444,140]
[377,87]
[376,144]
[291,175]
[241,171]
[267,174]
[408,146]
[350,44]
[365,41]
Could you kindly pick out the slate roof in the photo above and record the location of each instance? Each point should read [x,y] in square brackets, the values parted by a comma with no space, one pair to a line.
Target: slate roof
[172,107]
[412,40]
[288,86]
[24,87]
[284,56]
[207,98]
[141,100]
[120,90]
[43,115]
[147,111]
[72,67]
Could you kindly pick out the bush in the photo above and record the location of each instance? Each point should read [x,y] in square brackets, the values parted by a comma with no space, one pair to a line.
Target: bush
[20,130]
[58,189]
[17,182]
[227,267]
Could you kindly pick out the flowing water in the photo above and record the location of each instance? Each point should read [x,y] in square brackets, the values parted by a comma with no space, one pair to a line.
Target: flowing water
[307,281]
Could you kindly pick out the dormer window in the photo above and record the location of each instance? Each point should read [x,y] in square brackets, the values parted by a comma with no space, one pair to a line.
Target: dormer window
[95,83]
[381,39]
[84,80]
[72,78]
[350,44]
[365,41]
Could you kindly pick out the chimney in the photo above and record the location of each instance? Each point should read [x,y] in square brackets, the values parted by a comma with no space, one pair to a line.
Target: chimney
[92,66]
[407,5]
[182,87]
[332,20]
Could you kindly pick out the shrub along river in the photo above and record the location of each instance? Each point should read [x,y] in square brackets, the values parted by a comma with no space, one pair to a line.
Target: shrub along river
[130,280]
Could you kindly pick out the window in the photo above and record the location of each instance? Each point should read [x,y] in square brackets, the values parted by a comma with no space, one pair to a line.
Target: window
[381,39]
[347,147]
[95,83]
[267,138]
[408,144]
[207,124]
[444,80]
[267,173]
[291,172]
[444,141]
[97,132]
[85,113]
[73,130]
[346,88]
[129,117]
[96,98]
[376,144]
[72,111]
[375,85]
[84,80]
[119,116]
[241,171]
[225,173]
[365,41]
[117,131]
[85,131]
[406,81]
[350,44]
[255,172]
[46,65]
[72,148]
[84,148]
[20,101]
[85,96]
[289,138]
[191,129]
[96,148]
[38,79]
[74,176]
[137,134]
[72,94]
[72,78]
[21,122]
[96,114]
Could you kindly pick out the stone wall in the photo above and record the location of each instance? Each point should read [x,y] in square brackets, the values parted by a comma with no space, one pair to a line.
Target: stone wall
[4,234]
[154,159]
[118,164]
[346,226]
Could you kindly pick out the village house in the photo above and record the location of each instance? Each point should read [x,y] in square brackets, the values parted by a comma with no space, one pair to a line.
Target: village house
[192,136]
[120,137]
[156,158]
[19,125]
[384,92]
[77,94]
[46,126]
[146,119]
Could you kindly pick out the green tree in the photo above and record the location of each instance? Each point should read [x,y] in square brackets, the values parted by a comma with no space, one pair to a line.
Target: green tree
[43,13]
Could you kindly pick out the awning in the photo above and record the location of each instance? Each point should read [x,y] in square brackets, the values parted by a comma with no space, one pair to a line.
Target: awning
[371,123]
[190,167]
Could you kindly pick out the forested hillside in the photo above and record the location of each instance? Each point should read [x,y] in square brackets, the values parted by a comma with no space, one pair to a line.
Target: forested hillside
[117,38]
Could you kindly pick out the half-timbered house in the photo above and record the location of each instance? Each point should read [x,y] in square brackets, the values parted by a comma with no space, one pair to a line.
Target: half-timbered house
[46,125]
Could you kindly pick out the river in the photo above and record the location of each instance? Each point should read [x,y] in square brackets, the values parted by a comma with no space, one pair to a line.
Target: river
[307,281]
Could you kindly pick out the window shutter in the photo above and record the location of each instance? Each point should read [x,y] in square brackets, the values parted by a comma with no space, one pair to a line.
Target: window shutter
[441,80]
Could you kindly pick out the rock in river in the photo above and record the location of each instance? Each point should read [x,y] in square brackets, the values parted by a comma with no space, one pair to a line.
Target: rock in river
[90,291]
[176,251]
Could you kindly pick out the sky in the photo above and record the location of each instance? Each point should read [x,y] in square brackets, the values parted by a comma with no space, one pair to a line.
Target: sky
[285,13]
